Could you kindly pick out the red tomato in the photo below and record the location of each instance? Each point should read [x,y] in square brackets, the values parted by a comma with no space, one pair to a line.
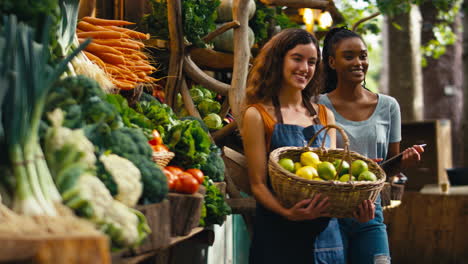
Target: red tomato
[171,179]
[197,174]
[175,170]
[188,184]
[153,142]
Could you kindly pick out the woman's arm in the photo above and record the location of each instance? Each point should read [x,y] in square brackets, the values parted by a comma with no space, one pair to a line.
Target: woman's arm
[332,132]
[253,134]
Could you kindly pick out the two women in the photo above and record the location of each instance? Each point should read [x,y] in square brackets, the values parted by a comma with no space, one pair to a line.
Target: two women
[280,111]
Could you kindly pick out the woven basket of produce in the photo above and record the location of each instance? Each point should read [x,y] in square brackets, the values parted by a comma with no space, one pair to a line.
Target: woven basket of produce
[162,158]
[298,173]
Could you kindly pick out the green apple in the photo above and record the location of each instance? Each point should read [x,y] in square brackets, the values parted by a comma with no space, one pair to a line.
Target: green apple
[326,170]
[367,176]
[357,167]
[344,166]
[287,164]
[345,178]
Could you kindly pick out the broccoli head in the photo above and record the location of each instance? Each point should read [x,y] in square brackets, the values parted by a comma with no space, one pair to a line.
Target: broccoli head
[214,166]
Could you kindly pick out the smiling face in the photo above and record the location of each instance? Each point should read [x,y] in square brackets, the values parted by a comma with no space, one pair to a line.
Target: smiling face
[350,60]
[299,66]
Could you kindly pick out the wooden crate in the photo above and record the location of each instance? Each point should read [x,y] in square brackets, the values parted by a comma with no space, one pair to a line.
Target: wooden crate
[437,157]
[428,228]
[159,220]
[42,250]
[185,212]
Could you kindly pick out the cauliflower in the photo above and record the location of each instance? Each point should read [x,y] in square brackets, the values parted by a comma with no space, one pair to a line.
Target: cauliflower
[127,177]
[60,136]
[125,226]
[70,155]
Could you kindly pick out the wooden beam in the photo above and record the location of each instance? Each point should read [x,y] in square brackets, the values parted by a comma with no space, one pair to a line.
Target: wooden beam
[174,80]
[211,59]
[198,76]
[224,131]
[241,58]
[314,4]
[188,101]
[223,28]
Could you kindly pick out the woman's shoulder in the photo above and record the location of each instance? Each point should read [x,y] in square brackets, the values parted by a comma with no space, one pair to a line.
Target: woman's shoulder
[388,101]
[257,111]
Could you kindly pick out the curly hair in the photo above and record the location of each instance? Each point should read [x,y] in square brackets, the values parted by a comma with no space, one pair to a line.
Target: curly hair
[266,75]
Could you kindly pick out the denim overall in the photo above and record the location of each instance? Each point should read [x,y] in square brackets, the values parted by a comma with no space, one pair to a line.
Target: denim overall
[276,239]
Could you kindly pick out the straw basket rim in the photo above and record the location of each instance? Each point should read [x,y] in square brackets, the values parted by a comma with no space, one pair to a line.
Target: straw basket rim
[275,156]
[162,158]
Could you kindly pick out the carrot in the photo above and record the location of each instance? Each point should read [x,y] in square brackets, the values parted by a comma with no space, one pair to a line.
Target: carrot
[111,58]
[98,48]
[85,26]
[95,59]
[151,79]
[146,68]
[141,55]
[131,33]
[123,84]
[141,74]
[106,22]
[119,70]
[139,43]
[102,35]
[132,57]
[115,43]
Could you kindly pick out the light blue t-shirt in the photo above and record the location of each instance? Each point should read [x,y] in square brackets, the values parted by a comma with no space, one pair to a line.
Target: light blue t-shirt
[370,137]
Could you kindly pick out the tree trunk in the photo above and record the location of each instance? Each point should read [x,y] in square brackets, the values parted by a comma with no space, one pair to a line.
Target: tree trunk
[443,81]
[404,66]
[464,126]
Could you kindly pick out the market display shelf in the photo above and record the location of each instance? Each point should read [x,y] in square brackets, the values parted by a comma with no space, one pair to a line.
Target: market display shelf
[55,249]
[173,241]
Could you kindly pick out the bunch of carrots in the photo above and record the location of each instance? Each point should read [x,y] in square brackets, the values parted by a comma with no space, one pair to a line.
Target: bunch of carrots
[117,50]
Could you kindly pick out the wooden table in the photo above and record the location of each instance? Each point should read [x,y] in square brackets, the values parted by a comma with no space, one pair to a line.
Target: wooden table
[429,228]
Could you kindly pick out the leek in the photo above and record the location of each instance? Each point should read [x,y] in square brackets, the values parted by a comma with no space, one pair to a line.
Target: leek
[28,77]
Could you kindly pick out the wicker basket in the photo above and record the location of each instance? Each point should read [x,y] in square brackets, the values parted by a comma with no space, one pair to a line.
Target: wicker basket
[162,158]
[344,197]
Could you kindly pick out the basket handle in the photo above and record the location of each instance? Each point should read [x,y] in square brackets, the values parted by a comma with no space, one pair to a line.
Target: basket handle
[346,154]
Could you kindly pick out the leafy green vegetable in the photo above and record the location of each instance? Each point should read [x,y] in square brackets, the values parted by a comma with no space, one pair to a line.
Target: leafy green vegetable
[215,208]
[189,142]
[208,106]
[161,115]
[130,117]
[213,121]
[28,77]
[214,166]
[265,19]
[198,19]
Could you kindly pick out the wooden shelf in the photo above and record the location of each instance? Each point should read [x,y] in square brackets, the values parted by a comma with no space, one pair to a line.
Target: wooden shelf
[142,257]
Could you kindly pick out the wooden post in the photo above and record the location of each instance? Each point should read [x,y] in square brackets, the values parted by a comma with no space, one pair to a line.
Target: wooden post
[241,58]
[174,80]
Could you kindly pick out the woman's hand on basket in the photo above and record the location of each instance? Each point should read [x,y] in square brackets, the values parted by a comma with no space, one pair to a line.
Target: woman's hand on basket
[366,211]
[309,209]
